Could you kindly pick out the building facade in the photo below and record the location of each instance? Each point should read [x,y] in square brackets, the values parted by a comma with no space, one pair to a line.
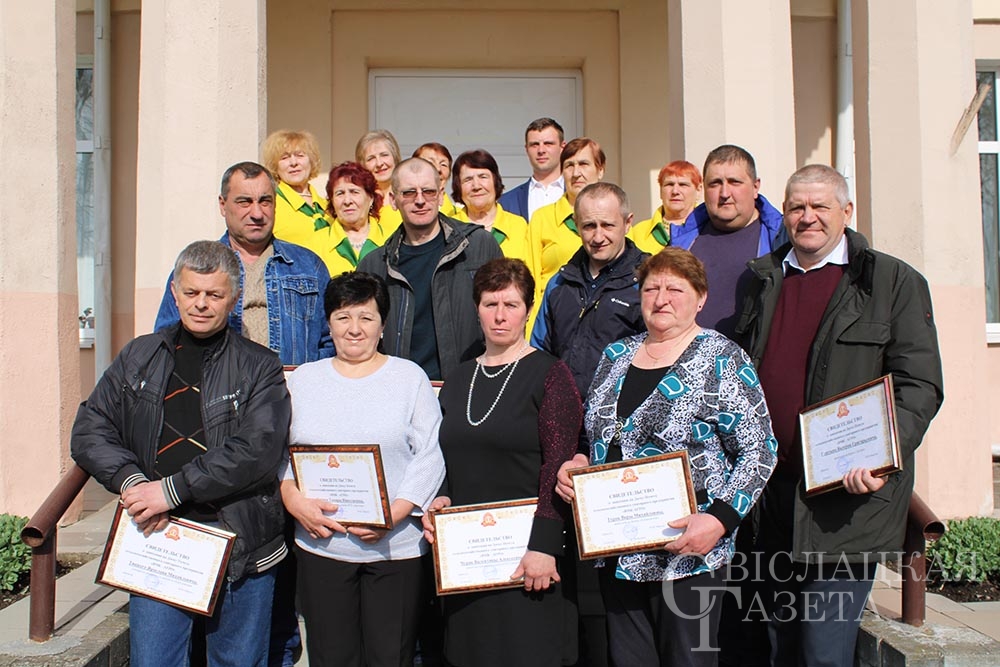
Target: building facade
[196,86]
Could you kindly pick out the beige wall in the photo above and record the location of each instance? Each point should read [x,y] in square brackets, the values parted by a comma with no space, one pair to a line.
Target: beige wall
[814,67]
[39,357]
[202,108]
[731,82]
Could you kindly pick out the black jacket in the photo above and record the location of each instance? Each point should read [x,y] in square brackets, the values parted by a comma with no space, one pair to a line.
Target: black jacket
[575,326]
[878,321]
[467,246]
[246,411]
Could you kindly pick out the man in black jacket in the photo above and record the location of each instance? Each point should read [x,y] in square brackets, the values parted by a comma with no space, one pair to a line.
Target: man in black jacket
[191,422]
[594,298]
[428,264]
[826,314]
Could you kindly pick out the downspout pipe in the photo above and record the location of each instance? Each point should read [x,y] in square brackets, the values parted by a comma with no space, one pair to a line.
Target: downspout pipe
[102,186]
[844,158]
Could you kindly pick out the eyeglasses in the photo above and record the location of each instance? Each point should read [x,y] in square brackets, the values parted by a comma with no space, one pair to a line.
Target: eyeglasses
[410,195]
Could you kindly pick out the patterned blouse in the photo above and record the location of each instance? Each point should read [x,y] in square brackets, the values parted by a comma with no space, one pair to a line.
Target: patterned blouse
[710,403]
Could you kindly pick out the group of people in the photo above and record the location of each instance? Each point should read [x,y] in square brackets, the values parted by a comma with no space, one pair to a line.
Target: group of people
[566,336]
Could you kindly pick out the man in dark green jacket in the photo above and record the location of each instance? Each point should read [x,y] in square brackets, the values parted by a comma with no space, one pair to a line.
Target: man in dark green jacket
[826,314]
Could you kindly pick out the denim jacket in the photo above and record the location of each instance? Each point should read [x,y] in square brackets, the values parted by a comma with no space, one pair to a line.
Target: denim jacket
[297,326]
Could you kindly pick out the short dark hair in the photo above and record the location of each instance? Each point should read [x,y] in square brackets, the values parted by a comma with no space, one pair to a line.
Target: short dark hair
[577,145]
[352,288]
[433,146]
[354,173]
[679,262]
[501,273]
[477,159]
[250,170]
[603,189]
[543,123]
[730,154]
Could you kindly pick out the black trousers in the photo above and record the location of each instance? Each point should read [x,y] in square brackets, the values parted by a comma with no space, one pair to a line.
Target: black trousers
[661,624]
[359,614]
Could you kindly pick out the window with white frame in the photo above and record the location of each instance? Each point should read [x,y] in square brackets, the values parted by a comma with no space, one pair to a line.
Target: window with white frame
[85,199]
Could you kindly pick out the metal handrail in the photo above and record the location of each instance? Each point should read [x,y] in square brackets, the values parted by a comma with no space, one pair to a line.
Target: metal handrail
[40,534]
[921,525]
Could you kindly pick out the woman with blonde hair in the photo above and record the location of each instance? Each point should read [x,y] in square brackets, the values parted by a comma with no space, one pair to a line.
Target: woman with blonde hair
[292,157]
[378,152]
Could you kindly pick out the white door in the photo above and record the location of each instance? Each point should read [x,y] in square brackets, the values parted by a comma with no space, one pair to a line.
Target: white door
[468,109]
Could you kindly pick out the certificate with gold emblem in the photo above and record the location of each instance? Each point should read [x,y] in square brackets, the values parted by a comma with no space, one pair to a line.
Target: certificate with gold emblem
[624,507]
[855,429]
[349,476]
[182,565]
[478,547]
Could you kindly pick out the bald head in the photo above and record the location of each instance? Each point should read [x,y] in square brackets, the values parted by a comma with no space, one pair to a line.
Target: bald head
[415,166]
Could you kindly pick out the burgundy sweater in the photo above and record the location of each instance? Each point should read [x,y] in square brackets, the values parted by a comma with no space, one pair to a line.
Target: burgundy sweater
[801,304]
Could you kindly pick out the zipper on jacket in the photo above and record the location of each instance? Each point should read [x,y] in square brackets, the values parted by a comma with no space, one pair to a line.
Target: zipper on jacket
[590,306]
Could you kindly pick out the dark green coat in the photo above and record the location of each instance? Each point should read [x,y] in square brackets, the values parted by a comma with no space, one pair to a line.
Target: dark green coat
[879,320]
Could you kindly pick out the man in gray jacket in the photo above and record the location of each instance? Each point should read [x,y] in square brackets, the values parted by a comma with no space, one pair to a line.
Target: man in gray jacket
[826,314]
[428,264]
[192,422]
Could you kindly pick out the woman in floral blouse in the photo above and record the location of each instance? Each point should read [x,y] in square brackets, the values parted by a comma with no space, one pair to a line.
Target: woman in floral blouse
[677,387]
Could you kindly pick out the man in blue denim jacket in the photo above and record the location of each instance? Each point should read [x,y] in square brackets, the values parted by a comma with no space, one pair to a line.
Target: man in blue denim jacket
[280,307]
[282,284]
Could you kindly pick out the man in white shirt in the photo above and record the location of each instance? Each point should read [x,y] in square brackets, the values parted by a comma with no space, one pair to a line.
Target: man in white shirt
[543,142]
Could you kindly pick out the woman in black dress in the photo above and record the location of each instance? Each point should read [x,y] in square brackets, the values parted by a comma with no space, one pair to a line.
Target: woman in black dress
[511,418]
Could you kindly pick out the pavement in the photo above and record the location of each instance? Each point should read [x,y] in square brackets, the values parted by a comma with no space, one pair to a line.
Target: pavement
[85,610]
[81,605]
[886,600]
[88,616]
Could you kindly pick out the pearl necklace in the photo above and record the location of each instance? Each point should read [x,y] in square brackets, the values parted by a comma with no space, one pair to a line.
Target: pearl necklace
[472,385]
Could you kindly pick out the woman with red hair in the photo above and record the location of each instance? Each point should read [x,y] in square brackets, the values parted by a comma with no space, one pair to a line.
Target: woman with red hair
[680,191]
[354,204]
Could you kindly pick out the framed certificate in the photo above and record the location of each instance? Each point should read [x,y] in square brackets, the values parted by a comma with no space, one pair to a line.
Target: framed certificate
[478,547]
[624,507]
[349,476]
[182,565]
[855,429]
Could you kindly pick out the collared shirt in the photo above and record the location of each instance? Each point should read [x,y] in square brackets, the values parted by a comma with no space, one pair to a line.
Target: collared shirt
[651,235]
[509,230]
[594,283]
[540,195]
[836,256]
[552,241]
[336,250]
[297,221]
